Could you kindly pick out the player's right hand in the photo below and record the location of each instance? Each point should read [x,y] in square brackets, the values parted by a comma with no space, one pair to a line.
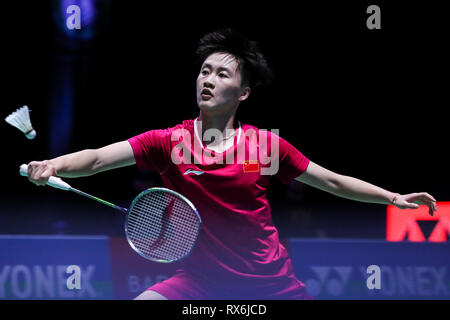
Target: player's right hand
[40,171]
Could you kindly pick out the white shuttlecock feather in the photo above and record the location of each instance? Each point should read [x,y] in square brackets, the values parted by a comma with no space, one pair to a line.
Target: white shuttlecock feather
[21,120]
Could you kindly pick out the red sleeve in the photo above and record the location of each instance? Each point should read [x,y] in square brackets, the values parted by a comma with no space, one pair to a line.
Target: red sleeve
[152,150]
[292,162]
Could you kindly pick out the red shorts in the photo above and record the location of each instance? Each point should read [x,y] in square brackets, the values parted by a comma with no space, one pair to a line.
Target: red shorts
[184,286]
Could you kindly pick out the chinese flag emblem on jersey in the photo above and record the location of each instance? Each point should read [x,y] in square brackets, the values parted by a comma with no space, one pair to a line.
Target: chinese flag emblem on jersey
[251,166]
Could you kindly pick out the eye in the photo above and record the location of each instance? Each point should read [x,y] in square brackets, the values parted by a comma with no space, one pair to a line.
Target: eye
[223,75]
[204,72]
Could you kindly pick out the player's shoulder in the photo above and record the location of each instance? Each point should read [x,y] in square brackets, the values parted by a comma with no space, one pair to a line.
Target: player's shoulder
[166,133]
[247,126]
[184,125]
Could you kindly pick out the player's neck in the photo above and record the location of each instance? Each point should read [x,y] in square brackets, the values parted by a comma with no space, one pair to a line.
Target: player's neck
[224,124]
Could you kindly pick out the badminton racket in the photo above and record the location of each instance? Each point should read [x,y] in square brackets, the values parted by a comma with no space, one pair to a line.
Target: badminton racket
[161,225]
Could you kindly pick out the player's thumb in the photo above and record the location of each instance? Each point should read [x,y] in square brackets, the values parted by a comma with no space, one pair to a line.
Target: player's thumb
[46,174]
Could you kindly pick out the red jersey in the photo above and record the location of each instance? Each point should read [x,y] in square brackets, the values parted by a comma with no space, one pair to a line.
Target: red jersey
[239,246]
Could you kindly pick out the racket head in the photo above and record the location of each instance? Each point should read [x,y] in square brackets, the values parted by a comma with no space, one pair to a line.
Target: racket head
[162,225]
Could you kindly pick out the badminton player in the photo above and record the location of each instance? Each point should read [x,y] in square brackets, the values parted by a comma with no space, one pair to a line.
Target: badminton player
[239,254]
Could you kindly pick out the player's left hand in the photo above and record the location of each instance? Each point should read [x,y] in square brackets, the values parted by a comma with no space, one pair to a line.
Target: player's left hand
[413,200]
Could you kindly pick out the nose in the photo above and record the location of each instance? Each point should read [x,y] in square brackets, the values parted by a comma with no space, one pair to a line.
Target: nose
[207,83]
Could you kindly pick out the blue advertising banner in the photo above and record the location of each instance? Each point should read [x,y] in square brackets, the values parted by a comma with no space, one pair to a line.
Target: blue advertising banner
[371,269]
[55,267]
[131,273]
[97,267]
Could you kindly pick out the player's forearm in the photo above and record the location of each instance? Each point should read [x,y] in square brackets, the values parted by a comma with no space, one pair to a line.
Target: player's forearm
[77,164]
[355,189]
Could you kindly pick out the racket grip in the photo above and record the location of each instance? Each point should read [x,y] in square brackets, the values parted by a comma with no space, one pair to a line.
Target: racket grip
[54,182]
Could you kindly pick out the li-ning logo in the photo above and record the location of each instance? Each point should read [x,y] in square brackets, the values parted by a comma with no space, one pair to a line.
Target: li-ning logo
[196,172]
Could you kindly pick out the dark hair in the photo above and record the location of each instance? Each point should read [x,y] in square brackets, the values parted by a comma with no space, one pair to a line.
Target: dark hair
[254,68]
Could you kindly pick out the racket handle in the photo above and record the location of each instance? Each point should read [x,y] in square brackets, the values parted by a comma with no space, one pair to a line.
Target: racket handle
[54,182]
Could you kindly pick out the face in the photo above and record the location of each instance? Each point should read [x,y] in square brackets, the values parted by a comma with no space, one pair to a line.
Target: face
[219,86]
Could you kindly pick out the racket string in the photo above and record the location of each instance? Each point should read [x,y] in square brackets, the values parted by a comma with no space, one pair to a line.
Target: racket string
[162,219]
[182,222]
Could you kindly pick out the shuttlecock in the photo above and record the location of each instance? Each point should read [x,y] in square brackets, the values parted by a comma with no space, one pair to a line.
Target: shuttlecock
[21,120]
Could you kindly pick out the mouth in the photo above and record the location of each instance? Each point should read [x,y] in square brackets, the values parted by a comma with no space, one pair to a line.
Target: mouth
[206,94]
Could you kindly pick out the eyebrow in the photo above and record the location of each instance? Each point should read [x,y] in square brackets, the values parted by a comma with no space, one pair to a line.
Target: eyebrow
[207,65]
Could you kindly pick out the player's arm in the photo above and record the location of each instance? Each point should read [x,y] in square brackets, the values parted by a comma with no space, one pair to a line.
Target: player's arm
[355,189]
[83,163]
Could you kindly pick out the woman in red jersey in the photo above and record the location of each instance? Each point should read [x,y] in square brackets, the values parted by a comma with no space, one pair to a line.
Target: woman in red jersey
[238,255]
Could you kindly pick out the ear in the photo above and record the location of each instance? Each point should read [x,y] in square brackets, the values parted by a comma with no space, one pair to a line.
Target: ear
[244,94]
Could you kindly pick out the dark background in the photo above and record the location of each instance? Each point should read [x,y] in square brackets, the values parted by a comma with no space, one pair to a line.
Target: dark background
[365,103]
